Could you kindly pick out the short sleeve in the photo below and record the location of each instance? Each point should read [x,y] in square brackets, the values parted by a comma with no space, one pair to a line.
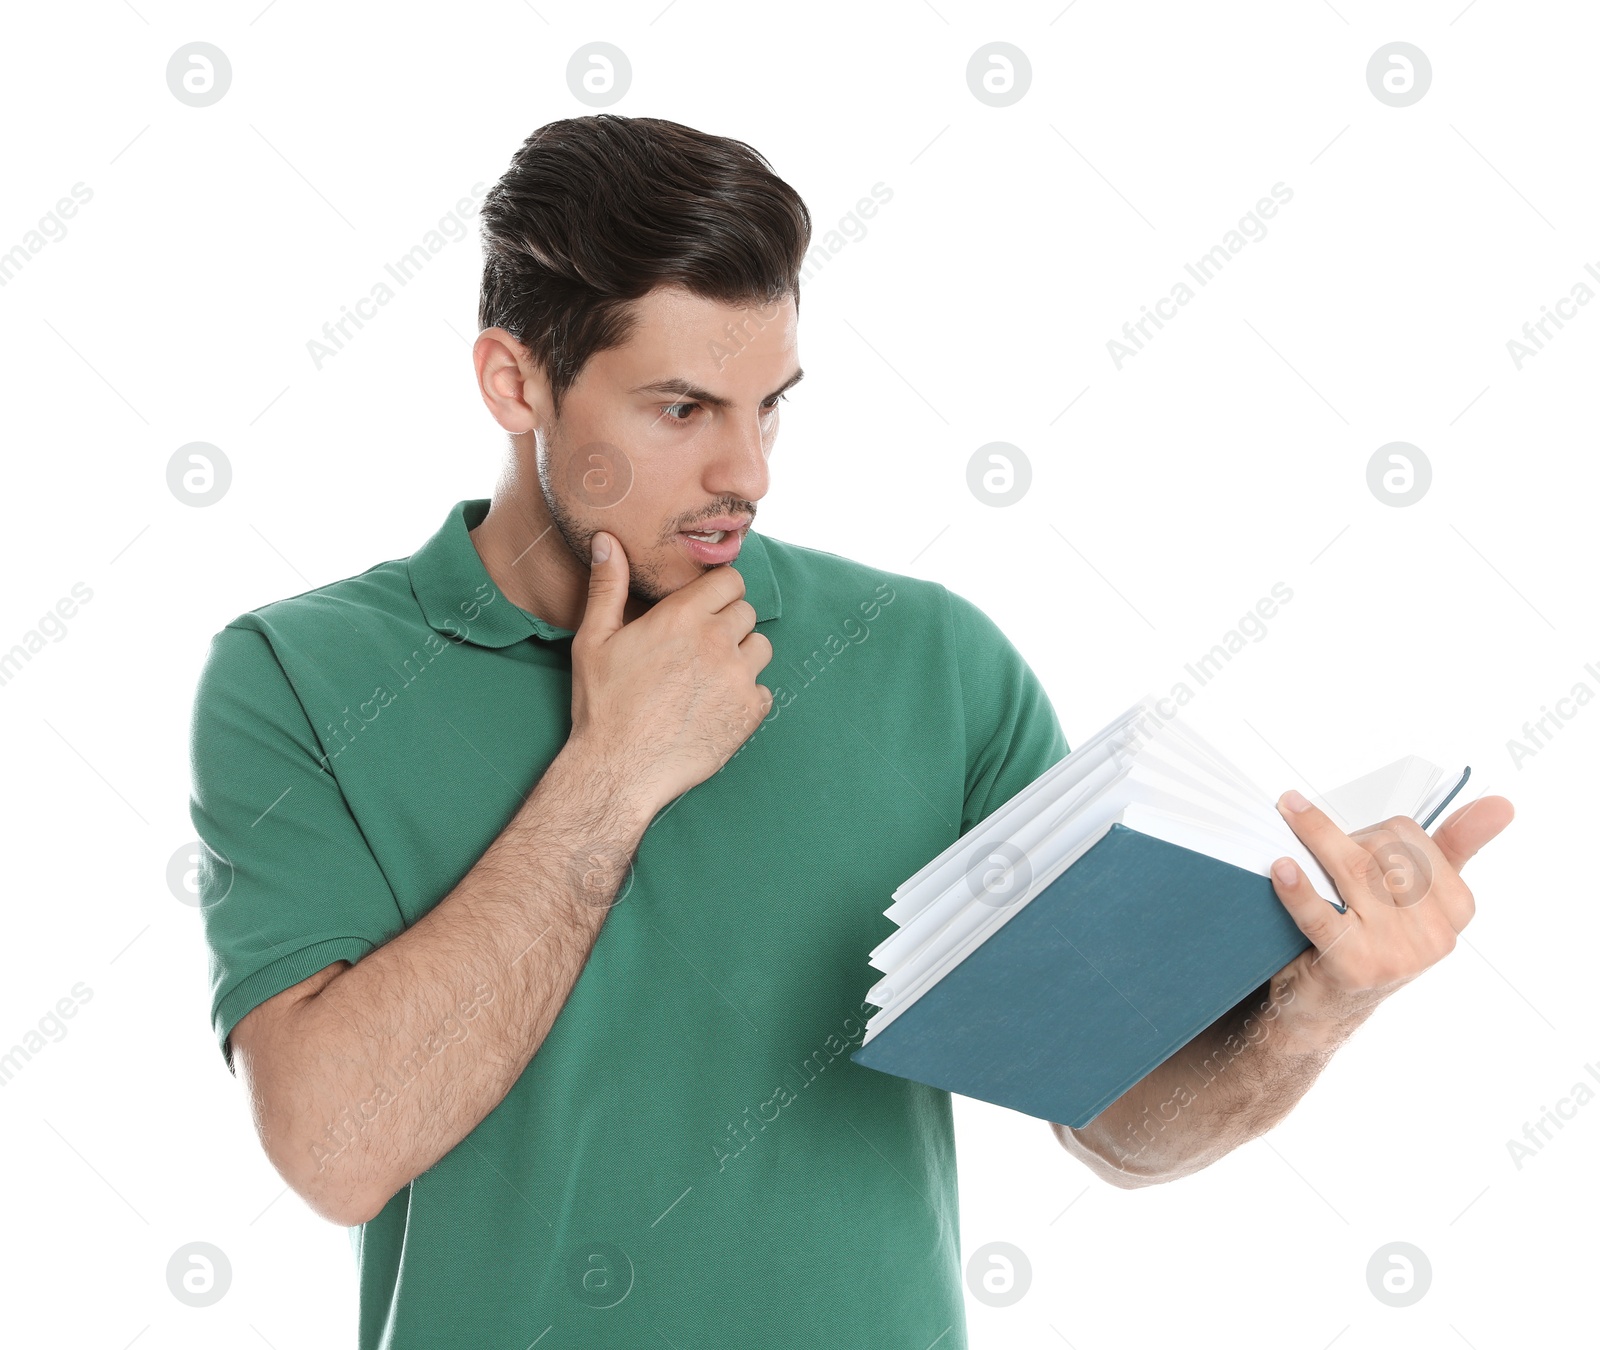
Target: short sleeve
[287,883]
[1012,732]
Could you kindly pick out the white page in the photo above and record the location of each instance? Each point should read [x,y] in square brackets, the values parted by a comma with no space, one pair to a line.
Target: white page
[1077,780]
[1044,793]
[932,908]
[1106,793]
[1444,788]
[1041,805]
[1397,789]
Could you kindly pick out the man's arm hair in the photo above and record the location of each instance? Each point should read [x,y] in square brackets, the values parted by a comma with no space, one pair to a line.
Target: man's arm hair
[1233,1082]
[363,1076]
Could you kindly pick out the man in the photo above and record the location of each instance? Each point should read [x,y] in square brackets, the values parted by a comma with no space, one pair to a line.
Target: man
[541,866]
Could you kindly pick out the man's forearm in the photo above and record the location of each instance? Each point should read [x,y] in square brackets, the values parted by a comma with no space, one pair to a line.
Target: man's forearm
[1234,1081]
[394,1060]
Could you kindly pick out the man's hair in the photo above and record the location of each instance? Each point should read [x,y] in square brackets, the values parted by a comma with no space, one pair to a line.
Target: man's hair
[596,212]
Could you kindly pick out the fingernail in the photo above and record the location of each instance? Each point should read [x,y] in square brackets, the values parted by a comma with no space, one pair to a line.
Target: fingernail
[599,547]
[1285,870]
[1293,801]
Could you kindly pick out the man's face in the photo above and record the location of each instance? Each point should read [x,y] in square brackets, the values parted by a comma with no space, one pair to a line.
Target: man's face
[670,432]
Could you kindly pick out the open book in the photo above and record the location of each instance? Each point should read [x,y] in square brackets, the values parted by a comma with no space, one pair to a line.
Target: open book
[1103,917]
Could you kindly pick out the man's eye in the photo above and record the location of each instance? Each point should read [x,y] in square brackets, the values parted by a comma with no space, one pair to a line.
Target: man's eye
[670,411]
[771,405]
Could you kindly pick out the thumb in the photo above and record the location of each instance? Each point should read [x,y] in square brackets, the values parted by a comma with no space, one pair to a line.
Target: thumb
[608,587]
[1470,828]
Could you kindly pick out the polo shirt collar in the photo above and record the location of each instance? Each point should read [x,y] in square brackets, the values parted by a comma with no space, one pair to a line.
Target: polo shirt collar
[447,577]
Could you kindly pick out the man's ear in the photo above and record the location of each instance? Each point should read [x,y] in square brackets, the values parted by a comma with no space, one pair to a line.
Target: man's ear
[514,387]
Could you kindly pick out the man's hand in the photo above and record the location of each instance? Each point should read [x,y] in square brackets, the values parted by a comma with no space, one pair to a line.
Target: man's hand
[1404,901]
[1404,904]
[667,699]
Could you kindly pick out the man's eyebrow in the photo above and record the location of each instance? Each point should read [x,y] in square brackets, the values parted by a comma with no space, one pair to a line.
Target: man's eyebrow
[684,389]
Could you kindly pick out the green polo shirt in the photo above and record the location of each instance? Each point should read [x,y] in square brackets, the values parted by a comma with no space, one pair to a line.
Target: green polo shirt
[691,1158]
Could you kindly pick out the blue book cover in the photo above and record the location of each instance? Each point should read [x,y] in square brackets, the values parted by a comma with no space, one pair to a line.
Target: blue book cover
[1122,960]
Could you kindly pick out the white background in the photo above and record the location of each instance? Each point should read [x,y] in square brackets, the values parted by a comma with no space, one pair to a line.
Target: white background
[1230,454]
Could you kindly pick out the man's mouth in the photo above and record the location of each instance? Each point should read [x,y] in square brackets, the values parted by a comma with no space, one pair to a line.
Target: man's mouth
[716,542]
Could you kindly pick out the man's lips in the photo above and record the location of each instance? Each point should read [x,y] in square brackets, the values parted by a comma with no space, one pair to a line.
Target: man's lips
[720,523]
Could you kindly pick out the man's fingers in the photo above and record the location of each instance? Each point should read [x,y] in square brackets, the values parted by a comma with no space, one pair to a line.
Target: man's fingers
[756,648]
[1313,915]
[1351,866]
[711,591]
[737,620]
[1470,828]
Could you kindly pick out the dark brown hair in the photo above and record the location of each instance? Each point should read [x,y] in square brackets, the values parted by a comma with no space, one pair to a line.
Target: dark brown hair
[595,212]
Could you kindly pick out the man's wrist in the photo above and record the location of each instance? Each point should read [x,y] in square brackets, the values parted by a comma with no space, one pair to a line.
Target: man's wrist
[592,775]
[1314,1025]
